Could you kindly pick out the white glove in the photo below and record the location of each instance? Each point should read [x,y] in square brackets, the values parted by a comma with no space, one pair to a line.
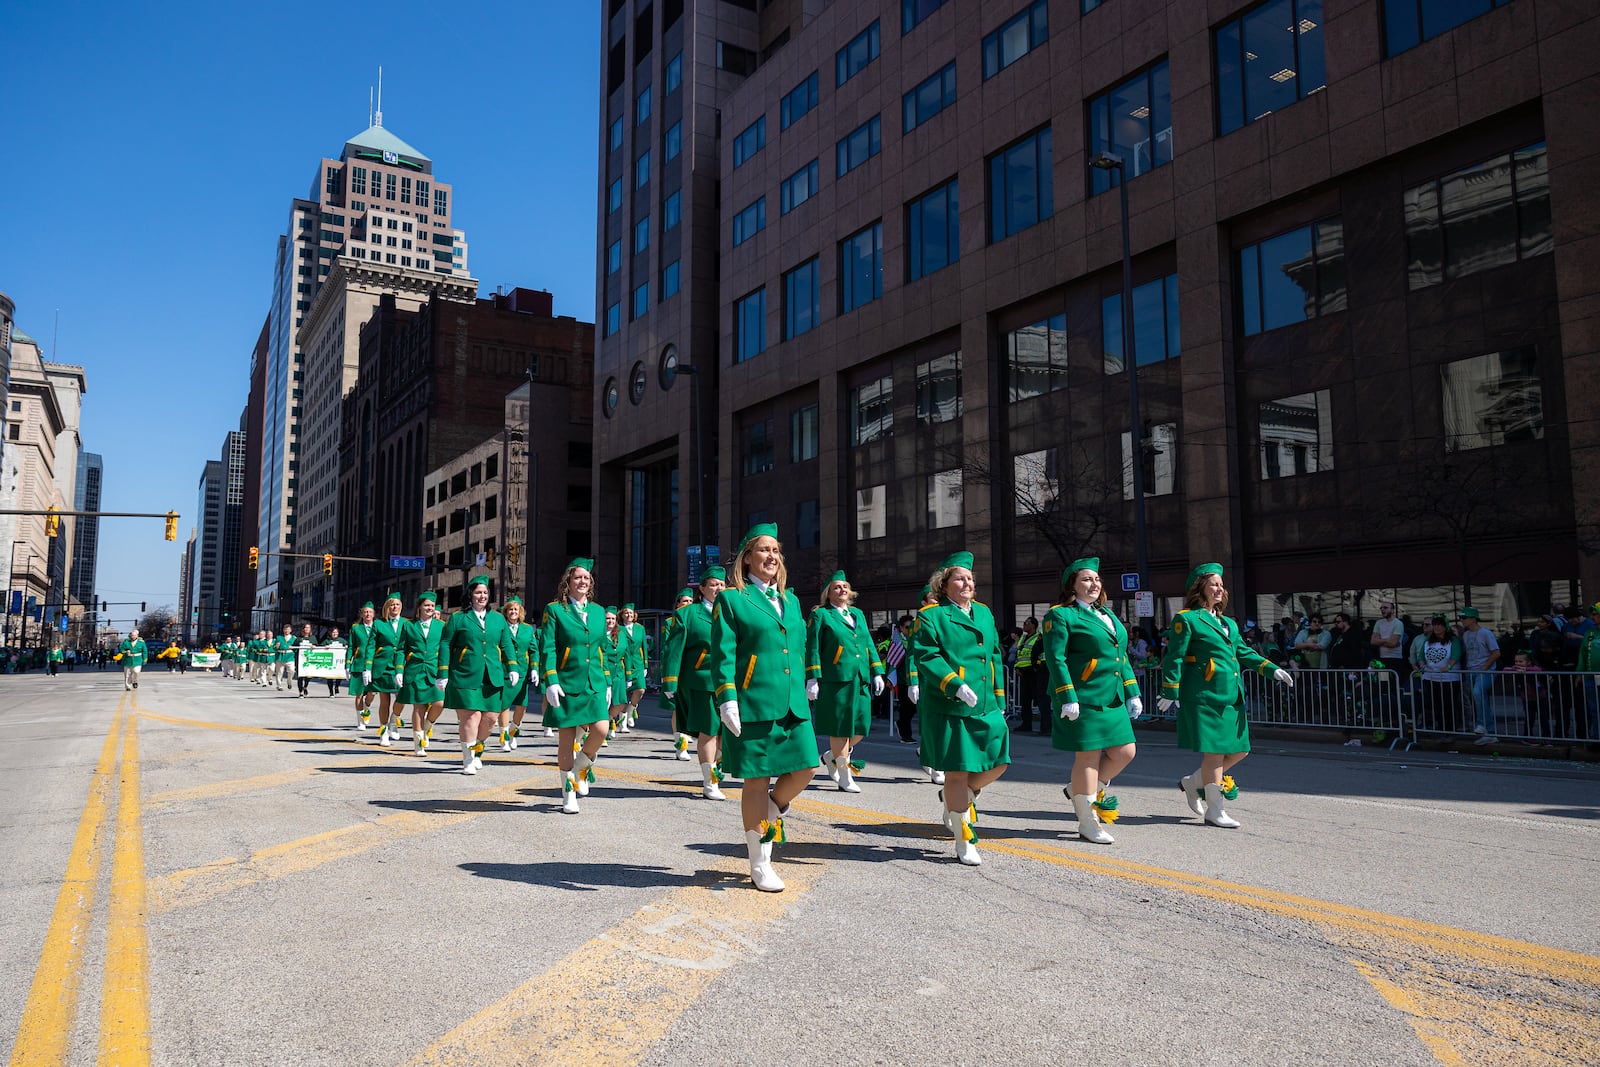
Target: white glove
[553,695]
[1135,707]
[813,687]
[442,684]
[515,678]
[967,696]
[914,693]
[1165,704]
[1070,711]
[1283,677]
[877,685]
[608,696]
[399,678]
[366,677]
[729,711]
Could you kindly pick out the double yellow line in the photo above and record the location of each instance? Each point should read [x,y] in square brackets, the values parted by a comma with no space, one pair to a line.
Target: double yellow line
[49,1016]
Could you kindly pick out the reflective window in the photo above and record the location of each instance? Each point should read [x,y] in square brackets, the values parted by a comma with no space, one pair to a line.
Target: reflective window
[1160,461]
[797,188]
[671,211]
[1155,324]
[750,325]
[1037,358]
[641,300]
[672,141]
[1296,435]
[1483,216]
[674,77]
[860,145]
[1407,23]
[614,196]
[914,11]
[669,280]
[799,100]
[872,512]
[1036,480]
[1018,36]
[853,58]
[641,171]
[616,134]
[861,268]
[1268,58]
[751,141]
[735,60]
[749,222]
[872,411]
[1492,400]
[1292,277]
[939,388]
[928,99]
[641,106]
[807,524]
[933,235]
[1020,192]
[944,499]
[803,434]
[802,299]
[641,234]
[1132,121]
[614,257]
[613,319]
[758,449]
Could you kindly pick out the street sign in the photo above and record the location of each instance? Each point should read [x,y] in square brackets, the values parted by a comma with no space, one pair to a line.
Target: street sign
[64,621]
[1144,604]
[1130,583]
[699,559]
[482,560]
[407,563]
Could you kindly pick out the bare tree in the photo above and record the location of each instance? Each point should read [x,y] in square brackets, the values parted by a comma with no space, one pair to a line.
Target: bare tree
[157,623]
[1462,500]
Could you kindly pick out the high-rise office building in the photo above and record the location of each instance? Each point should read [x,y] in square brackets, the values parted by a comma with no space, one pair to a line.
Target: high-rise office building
[206,565]
[889,238]
[86,545]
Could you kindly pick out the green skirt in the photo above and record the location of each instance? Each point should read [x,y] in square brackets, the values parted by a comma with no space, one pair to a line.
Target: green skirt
[356,688]
[518,697]
[1095,729]
[1213,730]
[420,687]
[965,742]
[769,749]
[482,697]
[698,714]
[843,709]
[578,709]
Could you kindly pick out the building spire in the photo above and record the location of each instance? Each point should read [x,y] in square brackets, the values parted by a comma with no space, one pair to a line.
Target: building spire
[378,121]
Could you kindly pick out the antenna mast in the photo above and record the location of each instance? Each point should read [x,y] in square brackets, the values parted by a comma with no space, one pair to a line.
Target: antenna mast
[379,121]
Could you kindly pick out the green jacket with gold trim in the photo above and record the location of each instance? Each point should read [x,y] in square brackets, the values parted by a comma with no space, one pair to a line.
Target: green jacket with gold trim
[953,648]
[758,654]
[836,652]
[572,648]
[1205,658]
[1087,660]
[686,650]
[473,656]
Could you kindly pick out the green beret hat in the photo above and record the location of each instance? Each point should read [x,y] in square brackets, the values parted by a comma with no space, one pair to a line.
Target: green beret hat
[480,579]
[1201,571]
[760,529]
[611,610]
[925,591]
[719,573]
[628,606]
[369,604]
[957,559]
[579,562]
[428,595]
[838,576]
[1087,563]
[1468,613]
[391,596]
[687,592]
[514,599]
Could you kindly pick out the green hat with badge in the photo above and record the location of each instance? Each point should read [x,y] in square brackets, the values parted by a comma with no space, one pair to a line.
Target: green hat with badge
[1201,571]
[514,599]
[838,576]
[957,559]
[628,606]
[428,595]
[391,596]
[687,593]
[760,529]
[580,563]
[612,610]
[367,605]
[1468,613]
[479,579]
[719,573]
[1087,563]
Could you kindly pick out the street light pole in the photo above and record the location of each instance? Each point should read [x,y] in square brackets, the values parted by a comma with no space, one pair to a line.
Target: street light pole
[1130,363]
[466,556]
[531,513]
[699,463]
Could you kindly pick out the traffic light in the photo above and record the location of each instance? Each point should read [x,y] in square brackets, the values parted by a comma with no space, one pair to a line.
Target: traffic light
[52,523]
[327,564]
[104,607]
[255,556]
[172,526]
[511,554]
[141,607]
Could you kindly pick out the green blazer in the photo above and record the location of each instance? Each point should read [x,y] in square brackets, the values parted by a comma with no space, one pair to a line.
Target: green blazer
[525,643]
[633,647]
[572,648]
[953,649]
[837,653]
[686,650]
[360,655]
[1205,658]
[474,657]
[746,633]
[421,652]
[283,647]
[1088,663]
[134,653]
[385,657]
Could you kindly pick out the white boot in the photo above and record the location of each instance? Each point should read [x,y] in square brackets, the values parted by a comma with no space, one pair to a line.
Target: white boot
[477,755]
[761,872]
[683,747]
[1215,816]
[1190,784]
[708,778]
[549,731]
[505,739]
[966,837]
[383,736]
[581,772]
[569,794]
[830,765]
[466,760]
[846,780]
[1089,827]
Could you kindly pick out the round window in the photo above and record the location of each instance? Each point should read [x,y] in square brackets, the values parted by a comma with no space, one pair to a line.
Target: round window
[636,383]
[668,371]
[609,397]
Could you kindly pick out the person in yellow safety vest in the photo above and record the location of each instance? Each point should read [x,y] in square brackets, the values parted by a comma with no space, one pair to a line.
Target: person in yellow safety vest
[1032,678]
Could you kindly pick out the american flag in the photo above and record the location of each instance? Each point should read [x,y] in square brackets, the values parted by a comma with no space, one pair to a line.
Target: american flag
[897,651]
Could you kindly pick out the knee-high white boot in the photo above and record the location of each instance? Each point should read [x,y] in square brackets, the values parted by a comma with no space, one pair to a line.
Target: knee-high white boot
[761,872]
[1215,815]
[582,772]
[708,779]
[1089,827]
[569,793]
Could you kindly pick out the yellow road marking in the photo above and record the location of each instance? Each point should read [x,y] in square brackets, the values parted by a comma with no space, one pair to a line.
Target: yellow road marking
[47,1019]
[264,731]
[253,784]
[125,989]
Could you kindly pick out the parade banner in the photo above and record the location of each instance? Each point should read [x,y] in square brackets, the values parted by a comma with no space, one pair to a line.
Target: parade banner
[327,662]
[206,660]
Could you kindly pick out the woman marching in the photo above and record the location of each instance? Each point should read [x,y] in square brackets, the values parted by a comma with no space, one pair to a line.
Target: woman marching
[686,678]
[383,671]
[572,657]
[525,640]
[1093,686]
[843,674]
[634,652]
[964,730]
[477,663]
[360,641]
[769,736]
[616,674]
[1200,677]
[671,651]
[419,647]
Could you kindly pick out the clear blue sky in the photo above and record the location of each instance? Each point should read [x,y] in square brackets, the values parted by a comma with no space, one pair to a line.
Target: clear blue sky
[151,153]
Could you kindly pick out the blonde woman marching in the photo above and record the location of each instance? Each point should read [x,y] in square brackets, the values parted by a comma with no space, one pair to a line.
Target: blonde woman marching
[633,647]
[525,639]
[616,692]
[686,678]
[1200,677]
[843,674]
[384,670]
[360,644]
[1093,687]
[769,737]
[477,663]
[572,641]
[963,697]
[419,646]
[671,651]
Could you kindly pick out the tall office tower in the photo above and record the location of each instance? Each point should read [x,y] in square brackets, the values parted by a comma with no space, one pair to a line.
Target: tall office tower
[8,312]
[205,590]
[890,238]
[230,552]
[379,209]
[86,545]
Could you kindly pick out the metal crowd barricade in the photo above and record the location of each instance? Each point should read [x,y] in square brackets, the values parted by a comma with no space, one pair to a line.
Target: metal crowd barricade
[1366,700]
[1542,707]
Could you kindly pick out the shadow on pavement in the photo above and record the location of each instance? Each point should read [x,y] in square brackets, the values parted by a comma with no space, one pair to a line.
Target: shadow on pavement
[592,877]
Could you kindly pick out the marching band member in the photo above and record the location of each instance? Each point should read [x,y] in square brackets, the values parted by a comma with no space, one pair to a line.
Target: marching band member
[476,663]
[525,639]
[633,647]
[360,641]
[572,657]
[383,672]
[419,647]
[686,678]
[843,674]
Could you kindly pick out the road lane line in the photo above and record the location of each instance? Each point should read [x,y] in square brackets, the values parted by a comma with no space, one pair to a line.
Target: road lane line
[125,988]
[236,786]
[263,731]
[47,1018]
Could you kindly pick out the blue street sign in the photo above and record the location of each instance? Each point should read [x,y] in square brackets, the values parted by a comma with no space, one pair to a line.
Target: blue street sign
[64,621]
[1130,583]
[700,559]
[408,563]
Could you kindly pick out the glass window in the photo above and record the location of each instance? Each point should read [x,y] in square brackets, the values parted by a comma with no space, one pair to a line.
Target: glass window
[799,100]
[1020,192]
[914,11]
[1155,323]
[861,268]
[613,319]
[614,196]
[758,447]
[802,299]
[669,280]
[615,139]
[944,499]
[1483,216]
[1132,121]
[672,141]
[797,188]
[751,141]
[749,222]
[750,325]
[803,434]
[1407,23]
[1297,435]
[671,211]
[641,299]
[1492,400]
[1292,277]
[807,524]
[641,234]
[928,99]
[614,257]
[872,516]
[641,106]
[1260,68]
[853,58]
[860,145]
[1015,38]
[933,235]
[1090,5]
[939,388]
[674,75]
[1037,481]
[1160,461]
[872,411]
[358,181]
[735,60]
[1036,357]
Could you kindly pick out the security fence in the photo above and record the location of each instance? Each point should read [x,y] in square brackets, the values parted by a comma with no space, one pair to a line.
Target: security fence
[1544,707]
